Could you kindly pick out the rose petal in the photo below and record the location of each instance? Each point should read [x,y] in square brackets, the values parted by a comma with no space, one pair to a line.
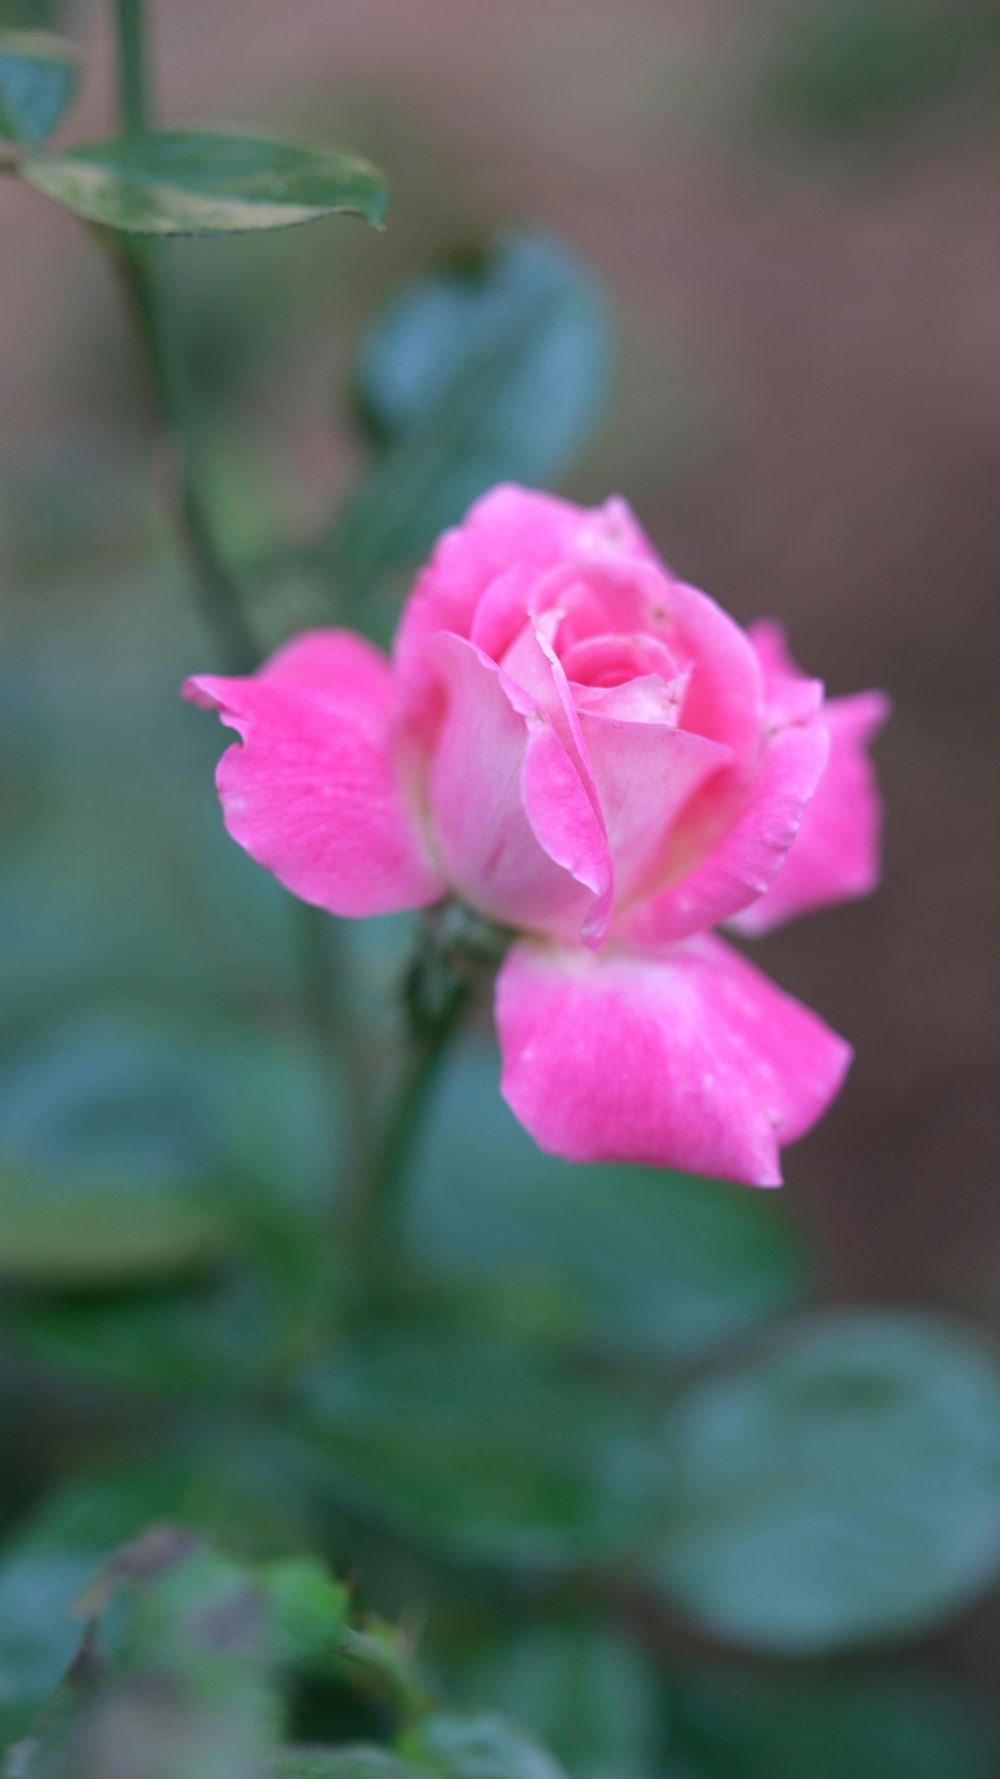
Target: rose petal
[317,792]
[836,853]
[738,863]
[509,529]
[646,771]
[686,1057]
[791,696]
[517,830]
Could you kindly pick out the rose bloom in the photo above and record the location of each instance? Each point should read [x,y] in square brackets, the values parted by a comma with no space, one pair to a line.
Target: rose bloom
[583,749]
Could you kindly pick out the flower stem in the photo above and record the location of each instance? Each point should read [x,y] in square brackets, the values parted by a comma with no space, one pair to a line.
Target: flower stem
[144,272]
[141,264]
[378,1205]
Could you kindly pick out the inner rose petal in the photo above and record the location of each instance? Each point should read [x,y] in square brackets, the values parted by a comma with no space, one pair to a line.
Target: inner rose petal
[612,659]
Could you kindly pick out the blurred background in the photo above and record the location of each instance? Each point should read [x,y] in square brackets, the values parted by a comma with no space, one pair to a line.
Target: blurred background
[791,208]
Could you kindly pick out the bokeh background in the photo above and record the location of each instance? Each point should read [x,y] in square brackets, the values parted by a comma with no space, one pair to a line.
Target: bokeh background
[792,205]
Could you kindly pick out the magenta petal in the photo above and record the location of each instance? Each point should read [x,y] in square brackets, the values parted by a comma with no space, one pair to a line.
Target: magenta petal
[316,792]
[509,532]
[517,830]
[645,772]
[742,864]
[684,1057]
[835,856]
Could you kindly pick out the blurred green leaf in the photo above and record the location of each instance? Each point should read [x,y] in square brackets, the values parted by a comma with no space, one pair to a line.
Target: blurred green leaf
[38,75]
[491,370]
[45,1569]
[874,1726]
[107,1166]
[842,1489]
[55,1233]
[190,1688]
[341,1763]
[585,1689]
[207,182]
[49,1568]
[483,1452]
[844,69]
[134,1145]
[634,1262]
[308,1610]
[481,1747]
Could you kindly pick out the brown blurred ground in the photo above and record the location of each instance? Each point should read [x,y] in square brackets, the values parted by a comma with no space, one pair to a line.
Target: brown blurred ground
[809,423]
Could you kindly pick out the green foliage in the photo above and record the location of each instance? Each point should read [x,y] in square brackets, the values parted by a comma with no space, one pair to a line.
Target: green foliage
[846,69]
[526,1432]
[841,1489]
[38,76]
[207,182]
[341,1763]
[492,369]
[308,1609]
[585,1689]
[865,1726]
[480,1747]
[185,1663]
[632,1263]
[45,1569]
[118,1160]
[483,1451]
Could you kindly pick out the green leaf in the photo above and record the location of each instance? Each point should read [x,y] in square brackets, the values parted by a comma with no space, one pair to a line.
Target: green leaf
[845,70]
[586,1691]
[872,1726]
[154,1343]
[634,1262]
[43,1572]
[480,1747]
[477,1450]
[38,76]
[838,1491]
[185,1682]
[489,371]
[308,1609]
[54,1233]
[341,1763]
[207,182]
[108,1167]
[54,1558]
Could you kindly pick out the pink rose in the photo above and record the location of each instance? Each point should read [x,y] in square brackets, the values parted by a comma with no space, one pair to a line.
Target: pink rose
[584,749]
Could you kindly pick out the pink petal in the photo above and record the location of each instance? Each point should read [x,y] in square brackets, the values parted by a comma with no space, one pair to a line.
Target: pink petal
[685,1057]
[517,830]
[741,861]
[646,771]
[725,698]
[509,529]
[317,791]
[835,856]
[632,597]
[543,689]
[791,697]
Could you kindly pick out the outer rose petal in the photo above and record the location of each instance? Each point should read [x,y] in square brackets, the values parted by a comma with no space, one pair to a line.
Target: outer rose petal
[316,792]
[835,855]
[744,861]
[518,833]
[685,1057]
[508,529]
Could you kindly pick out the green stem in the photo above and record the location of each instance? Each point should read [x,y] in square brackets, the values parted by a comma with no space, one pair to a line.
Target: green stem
[144,272]
[133,67]
[148,290]
[377,1209]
